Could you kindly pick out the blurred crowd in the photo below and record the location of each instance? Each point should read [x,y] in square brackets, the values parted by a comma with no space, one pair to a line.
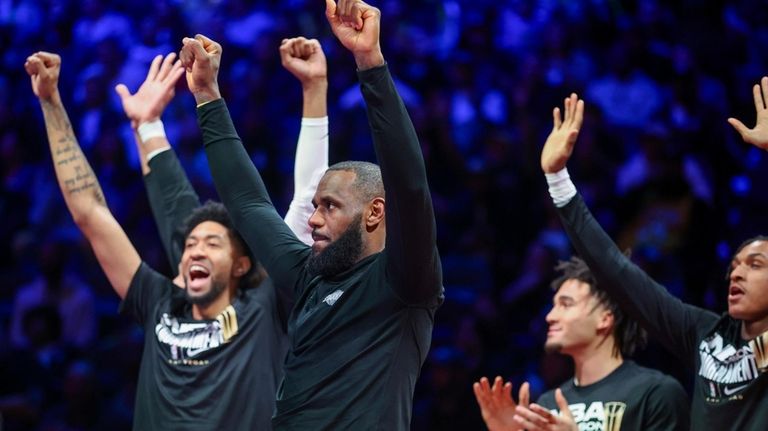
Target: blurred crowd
[656,162]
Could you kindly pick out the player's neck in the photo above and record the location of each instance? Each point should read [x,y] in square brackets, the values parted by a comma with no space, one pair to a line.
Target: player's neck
[213,309]
[594,364]
[750,330]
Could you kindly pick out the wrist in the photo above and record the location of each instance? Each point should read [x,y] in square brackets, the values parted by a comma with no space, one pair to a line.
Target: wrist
[150,129]
[369,59]
[315,85]
[54,98]
[207,94]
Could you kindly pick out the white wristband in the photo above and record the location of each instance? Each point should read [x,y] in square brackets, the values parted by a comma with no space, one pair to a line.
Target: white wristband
[153,129]
[561,189]
[314,121]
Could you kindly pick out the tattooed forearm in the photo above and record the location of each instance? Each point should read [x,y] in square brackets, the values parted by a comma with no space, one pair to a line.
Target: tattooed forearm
[74,173]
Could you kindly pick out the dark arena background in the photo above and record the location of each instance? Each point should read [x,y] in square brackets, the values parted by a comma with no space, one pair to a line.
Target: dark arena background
[656,161]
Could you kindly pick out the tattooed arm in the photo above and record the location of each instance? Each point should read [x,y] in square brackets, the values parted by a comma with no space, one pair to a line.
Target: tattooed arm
[79,186]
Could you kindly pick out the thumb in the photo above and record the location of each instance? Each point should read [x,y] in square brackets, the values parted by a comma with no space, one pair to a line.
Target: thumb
[330,11]
[195,48]
[562,404]
[122,91]
[739,126]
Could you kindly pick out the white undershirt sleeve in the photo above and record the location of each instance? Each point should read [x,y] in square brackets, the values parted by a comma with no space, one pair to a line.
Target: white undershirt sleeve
[561,189]
[310,165]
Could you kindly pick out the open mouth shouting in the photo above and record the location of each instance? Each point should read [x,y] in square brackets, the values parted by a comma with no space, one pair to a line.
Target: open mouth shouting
[198,277]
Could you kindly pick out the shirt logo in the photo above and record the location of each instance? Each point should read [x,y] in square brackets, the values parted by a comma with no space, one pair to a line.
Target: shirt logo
[728,369]
[189,339]
[597,415]
[333,297]
[728,391]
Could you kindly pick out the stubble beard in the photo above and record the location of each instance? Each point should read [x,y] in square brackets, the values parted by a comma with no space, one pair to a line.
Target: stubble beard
[217,287]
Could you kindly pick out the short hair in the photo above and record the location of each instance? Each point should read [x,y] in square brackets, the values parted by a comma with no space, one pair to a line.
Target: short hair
[368,183]
[628,335]
[741,247]
[217,212]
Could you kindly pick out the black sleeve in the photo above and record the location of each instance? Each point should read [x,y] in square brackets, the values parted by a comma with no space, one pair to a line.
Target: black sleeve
[172,199]
[146,289]
[413,263]
[667,407]
[243,193]
[676,325]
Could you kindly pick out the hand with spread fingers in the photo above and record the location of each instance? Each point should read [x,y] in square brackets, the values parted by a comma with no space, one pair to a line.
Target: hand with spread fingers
[559,145]
[537,418]
[758,135]
[357,25]
[201,58]
[43,69]
[157,90]
[497,405]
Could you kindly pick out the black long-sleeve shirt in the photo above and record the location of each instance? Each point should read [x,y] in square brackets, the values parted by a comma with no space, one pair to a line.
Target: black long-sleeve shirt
[731,385]
[359,338]
[171,199]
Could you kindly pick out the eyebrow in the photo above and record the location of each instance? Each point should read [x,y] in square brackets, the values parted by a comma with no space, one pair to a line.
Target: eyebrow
[751,256]
[563,298]
[209,236]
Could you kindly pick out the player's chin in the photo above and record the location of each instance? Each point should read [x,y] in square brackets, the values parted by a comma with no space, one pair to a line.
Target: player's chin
[553,346]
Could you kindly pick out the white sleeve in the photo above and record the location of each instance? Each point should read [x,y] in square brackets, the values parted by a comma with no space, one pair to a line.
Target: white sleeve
[311,163]
[561,189]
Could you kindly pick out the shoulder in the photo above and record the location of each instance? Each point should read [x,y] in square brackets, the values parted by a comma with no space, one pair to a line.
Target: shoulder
[655,383]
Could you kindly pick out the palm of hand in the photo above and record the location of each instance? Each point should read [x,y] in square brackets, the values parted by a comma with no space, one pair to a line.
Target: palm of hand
[148,103]
[311,68]
[500,418]
[758,135]
[357,40]
[202,76]
[558,148]
[43,85]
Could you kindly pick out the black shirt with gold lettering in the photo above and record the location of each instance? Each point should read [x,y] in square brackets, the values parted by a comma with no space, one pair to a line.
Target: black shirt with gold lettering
[631,398]
[218,374]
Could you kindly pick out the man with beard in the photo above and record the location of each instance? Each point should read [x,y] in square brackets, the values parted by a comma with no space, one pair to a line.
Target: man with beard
[727,353]
[213,350]
[607,392]
[362,323]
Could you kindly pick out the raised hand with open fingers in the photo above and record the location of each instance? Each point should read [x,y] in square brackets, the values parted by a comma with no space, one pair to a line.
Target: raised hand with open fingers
[538,418]
[201,58]
[758,135]
[559,145]
[43,69]
[157,90]
[305,59]
[357,25]
[496,404]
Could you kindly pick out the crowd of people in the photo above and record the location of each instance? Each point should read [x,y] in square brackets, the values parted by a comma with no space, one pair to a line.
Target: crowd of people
[657,164]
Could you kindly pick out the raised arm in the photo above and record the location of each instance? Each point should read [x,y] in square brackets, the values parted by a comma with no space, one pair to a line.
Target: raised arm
[305,59]
[171,196]
[663,315]
[237,180]
[79,186]
[411,252]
